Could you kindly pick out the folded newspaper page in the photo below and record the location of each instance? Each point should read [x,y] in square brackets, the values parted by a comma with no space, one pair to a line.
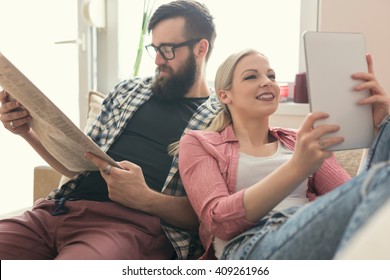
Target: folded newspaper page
[57,133]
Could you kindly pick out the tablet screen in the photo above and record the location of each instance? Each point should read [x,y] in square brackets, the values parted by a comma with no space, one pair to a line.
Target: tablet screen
[331,59]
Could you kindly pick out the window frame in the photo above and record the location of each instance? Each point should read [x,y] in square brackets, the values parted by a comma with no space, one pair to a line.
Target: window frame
[106,60]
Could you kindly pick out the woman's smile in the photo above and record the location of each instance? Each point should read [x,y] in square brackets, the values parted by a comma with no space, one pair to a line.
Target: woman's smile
[266,96]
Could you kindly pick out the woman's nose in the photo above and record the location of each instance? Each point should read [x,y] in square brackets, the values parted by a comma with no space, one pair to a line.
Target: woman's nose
[266,82]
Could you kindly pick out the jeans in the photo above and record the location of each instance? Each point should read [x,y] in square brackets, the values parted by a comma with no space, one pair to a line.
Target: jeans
[321,228]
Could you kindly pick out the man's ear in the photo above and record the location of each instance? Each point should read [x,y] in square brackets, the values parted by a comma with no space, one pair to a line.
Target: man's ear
[224,96]
[202,48]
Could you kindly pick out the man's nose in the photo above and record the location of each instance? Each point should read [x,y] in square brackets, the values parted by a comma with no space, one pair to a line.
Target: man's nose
[159,60]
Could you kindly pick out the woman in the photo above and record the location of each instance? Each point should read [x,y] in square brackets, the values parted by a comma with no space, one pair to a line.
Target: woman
[246,181]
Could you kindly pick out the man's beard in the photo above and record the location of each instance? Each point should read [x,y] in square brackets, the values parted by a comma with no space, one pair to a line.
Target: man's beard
[177,85]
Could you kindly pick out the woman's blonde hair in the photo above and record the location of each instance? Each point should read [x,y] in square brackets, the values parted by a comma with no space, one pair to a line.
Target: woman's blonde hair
[223,81]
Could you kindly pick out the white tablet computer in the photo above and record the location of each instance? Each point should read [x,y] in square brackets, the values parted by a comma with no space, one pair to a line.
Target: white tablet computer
[331,59]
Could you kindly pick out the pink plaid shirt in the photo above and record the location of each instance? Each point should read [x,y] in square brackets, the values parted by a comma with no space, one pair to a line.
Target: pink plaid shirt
[208,164]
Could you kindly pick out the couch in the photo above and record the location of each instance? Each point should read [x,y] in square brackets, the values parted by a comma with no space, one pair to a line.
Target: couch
[46,178]
[368,243]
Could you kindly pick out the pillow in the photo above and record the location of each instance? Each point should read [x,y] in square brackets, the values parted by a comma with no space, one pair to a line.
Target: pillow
[95,100]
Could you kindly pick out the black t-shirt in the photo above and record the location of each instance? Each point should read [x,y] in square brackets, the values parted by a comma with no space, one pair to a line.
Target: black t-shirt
[144,141]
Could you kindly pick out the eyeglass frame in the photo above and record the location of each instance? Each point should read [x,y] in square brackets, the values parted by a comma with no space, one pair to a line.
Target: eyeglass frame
[172,47]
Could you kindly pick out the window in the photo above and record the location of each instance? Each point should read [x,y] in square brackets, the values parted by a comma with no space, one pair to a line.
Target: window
[272,27]
[28,40]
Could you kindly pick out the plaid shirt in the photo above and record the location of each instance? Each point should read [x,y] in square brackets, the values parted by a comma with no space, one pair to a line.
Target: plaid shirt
[117,109]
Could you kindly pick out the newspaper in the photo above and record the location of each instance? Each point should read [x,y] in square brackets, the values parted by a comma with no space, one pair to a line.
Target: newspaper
[57,133]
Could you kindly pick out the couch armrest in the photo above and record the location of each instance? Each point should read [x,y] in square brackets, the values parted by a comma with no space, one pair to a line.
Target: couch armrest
[46,179]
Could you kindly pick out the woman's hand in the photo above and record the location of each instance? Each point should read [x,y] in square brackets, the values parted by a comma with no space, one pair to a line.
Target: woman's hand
[378,99]
[312,143]
[14,117]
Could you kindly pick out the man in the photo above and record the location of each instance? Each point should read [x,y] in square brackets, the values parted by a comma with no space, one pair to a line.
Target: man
[140,211]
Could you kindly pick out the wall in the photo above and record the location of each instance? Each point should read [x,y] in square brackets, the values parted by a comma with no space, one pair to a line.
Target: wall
[370,17]
[27,39]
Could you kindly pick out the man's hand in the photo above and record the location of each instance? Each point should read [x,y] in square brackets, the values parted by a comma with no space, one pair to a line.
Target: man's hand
[126,186]
[14,117]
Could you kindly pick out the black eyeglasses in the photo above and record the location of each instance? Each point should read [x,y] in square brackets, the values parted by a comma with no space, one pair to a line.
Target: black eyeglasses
[167,50]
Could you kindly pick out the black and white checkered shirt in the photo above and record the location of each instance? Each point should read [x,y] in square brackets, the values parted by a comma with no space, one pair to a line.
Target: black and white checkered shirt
[117,109]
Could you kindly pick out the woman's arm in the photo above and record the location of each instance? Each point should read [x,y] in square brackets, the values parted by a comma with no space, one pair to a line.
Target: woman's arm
[328,177]
[226,214]
[219,210]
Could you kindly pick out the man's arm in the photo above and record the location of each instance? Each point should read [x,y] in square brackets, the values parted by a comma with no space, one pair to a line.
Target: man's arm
[16,119]
[176,211]
[127,186]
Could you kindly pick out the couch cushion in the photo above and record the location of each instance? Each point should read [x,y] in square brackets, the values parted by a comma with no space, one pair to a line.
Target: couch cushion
[95,100]
[350,160]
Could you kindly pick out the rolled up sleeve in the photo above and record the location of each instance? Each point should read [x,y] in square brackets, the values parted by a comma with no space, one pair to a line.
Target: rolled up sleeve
[203,170]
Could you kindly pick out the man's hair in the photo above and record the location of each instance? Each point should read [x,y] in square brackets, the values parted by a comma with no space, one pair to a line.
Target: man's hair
[198,20]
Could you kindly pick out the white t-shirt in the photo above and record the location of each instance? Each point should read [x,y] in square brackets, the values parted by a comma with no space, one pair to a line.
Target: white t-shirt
[253,169]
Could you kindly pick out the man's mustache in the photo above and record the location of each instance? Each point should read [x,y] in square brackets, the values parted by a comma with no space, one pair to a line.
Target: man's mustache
[163,68]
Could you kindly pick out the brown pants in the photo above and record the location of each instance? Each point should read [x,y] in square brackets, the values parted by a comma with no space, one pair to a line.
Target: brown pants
[90,230]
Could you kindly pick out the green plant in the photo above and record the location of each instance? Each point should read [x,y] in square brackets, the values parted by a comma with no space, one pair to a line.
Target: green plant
[147,12]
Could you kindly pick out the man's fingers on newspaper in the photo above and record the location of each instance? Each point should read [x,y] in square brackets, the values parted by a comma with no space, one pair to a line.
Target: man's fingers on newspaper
[3,95]
[101,164]
[107,169]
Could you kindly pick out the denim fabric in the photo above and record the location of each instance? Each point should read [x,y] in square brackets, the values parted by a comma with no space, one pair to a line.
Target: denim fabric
[320,229]
[244,243]
[380,149]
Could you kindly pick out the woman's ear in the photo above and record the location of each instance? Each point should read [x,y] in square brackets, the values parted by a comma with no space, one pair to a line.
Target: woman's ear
[224,96]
